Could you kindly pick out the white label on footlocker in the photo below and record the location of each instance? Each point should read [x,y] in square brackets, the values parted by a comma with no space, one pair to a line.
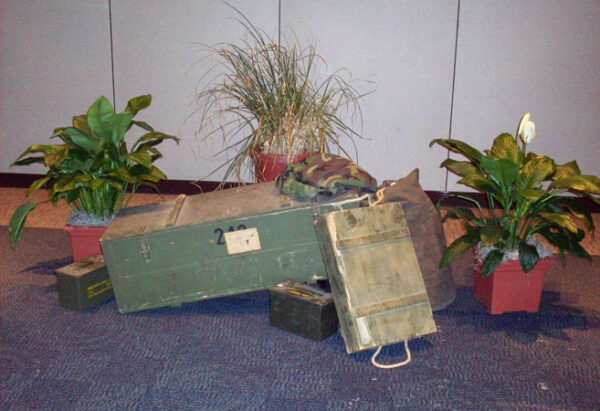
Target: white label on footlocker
[242,241]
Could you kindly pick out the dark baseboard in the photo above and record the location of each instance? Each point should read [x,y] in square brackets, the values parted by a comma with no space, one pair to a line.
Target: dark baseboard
[196,187]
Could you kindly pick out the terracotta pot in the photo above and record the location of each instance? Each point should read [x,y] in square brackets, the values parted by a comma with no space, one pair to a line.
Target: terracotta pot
[269,166]
[508,288]
[85,240]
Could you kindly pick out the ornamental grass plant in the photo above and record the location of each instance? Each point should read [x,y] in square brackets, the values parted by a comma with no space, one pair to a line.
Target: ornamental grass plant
[528,195]
[266,99]
[93,170]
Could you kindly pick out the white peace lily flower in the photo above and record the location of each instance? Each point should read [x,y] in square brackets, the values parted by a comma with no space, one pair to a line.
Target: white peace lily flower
[526,131]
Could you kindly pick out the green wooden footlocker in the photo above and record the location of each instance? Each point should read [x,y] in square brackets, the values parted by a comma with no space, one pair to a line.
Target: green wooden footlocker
[213,244]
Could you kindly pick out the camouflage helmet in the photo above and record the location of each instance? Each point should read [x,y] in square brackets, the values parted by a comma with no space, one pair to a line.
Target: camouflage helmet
[323,176]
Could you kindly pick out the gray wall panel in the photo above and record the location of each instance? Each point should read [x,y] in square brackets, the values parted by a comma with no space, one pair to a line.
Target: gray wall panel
[407,49]
[54,62]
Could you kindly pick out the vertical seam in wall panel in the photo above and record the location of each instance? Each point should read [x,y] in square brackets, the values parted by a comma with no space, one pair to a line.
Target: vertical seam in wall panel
[112,59]
[453,83]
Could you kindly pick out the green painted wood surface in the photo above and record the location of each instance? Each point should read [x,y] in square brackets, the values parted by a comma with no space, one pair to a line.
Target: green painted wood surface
[379,293]
[174,252]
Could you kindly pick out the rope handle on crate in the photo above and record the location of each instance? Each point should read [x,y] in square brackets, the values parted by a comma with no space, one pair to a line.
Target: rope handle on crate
[379,195]
[368,197]
[388,366]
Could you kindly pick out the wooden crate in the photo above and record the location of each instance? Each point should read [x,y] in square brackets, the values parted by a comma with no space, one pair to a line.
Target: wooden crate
[377,286]
[213,244]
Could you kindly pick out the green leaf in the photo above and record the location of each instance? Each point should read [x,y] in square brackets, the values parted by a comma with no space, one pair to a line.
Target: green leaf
[153,138]
[492,261]
[480,182]
[120,185]
[535,170]
[460,168]
[142,157]
[82,140]
[563,220]
[531,194]
[71,196]
[123,174]
[459,213]
[57,157]
[459,246]
[119,125]
[83,178]
[528,256]
[98,114]
[502,172]
[40,148]
[584,183]
[505,147]
[36,185]
[17,222]
[143,124]
[156,154]
[579,210]
[81,123]
[96,183]
[491,233]
[153,175]
[53,153]
[566,241]
[65,183]
[156,174]
[566,170]
[459,147]
[138,103]
[28,160]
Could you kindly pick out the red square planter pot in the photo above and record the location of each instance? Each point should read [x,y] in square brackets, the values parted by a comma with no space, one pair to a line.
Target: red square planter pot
[508,288]
[85,240]
[269,166]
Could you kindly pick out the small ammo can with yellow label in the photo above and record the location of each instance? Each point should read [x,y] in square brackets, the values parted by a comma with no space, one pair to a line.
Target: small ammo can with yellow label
[84,284]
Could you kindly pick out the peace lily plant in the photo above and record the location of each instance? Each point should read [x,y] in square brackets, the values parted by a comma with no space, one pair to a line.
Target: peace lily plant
[93,170]
[527,196]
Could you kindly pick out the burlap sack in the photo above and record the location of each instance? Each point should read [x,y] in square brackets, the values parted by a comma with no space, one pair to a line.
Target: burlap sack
[427,236]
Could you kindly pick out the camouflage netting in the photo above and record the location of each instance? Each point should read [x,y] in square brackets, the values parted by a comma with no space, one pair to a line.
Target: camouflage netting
[324,176]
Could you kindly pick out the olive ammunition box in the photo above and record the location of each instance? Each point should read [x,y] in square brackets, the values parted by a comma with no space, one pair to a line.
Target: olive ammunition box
[84,284]
[305,310]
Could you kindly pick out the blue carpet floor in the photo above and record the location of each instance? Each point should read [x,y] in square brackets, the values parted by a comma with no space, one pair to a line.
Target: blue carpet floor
[222,354]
